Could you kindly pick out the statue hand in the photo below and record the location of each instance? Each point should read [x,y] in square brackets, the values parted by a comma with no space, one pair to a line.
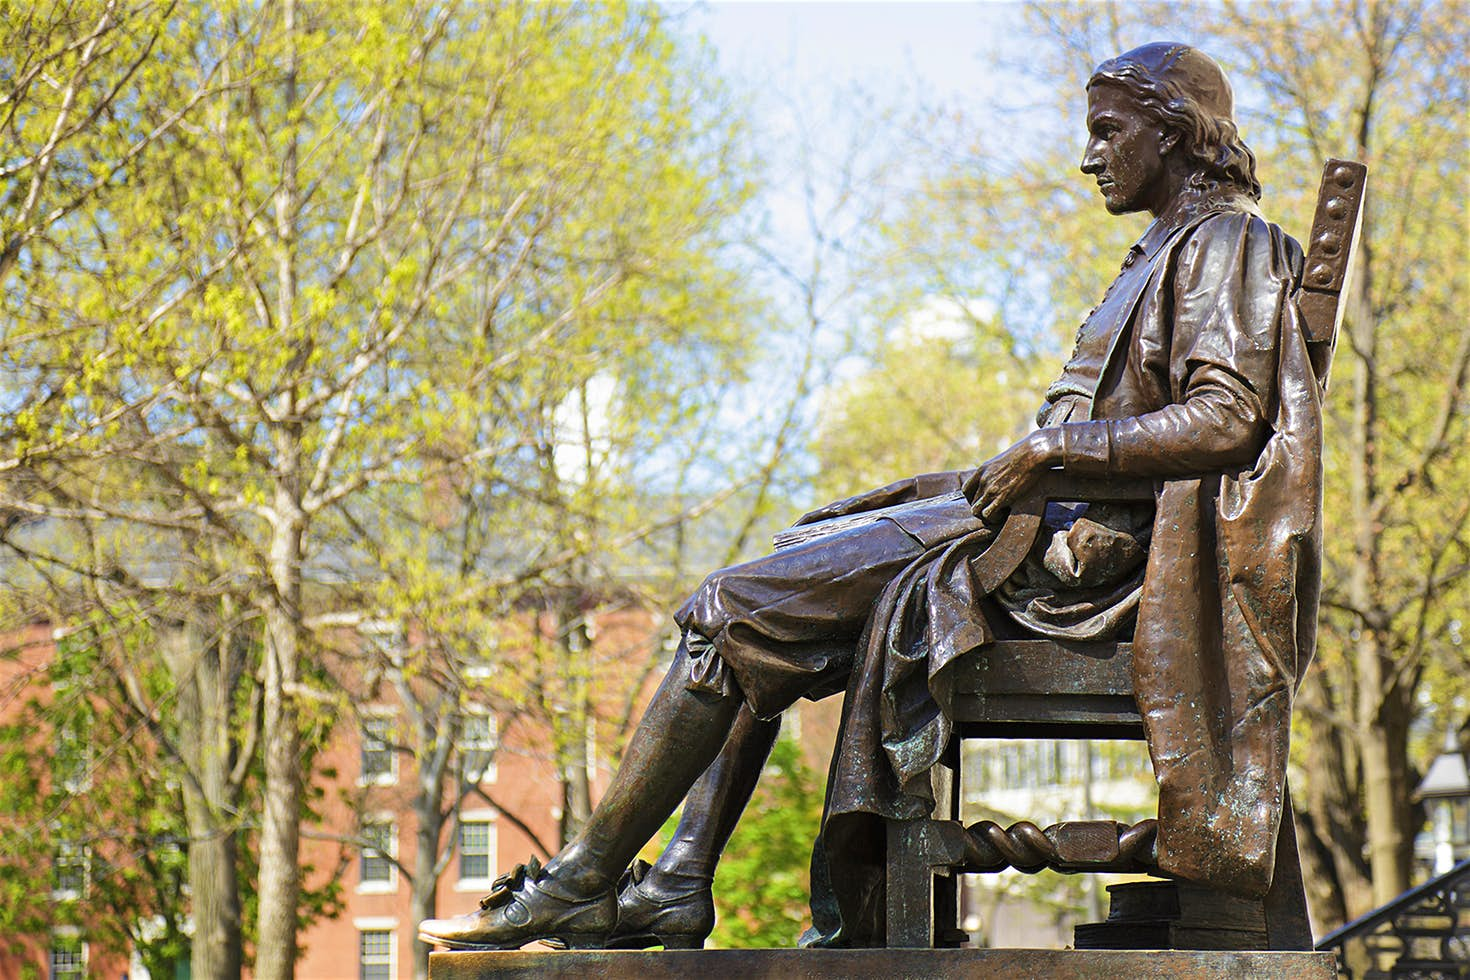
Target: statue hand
[1005,478]
[899,492]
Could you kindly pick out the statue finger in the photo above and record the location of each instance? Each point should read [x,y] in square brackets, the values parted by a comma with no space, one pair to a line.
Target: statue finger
[974,485]
[813,517]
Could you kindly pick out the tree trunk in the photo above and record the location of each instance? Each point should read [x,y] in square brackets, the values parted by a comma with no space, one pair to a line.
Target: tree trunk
[1382,720]
[205,695]
[1330,828]
[576,762]
[423,896]
[280,834]
[280,876]
[216,952]
[1385,774]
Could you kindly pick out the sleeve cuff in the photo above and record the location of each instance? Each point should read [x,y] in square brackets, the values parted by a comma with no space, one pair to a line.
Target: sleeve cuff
[1087,447]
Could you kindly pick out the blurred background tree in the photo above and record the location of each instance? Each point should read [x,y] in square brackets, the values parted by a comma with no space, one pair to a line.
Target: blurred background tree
[253,378]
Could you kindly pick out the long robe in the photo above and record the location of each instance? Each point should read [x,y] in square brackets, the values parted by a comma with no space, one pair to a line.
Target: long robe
[1207,387]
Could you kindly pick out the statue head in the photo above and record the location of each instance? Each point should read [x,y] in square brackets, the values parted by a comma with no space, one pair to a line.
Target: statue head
[1181,93]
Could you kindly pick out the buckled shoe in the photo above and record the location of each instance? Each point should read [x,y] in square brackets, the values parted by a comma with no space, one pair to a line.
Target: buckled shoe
[644,920]
[524,907]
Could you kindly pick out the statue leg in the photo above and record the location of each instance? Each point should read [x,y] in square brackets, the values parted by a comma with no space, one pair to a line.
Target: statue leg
[570,901]
[679,737]
[713,807]
[794,616]
[670,903]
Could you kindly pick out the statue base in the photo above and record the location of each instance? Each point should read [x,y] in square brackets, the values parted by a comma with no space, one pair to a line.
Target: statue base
[883,964]
[1177,915]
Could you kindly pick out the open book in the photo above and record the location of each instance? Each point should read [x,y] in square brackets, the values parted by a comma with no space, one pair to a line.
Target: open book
[808,532]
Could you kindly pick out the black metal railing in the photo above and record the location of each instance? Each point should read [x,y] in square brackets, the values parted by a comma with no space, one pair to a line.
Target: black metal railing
[1424,934]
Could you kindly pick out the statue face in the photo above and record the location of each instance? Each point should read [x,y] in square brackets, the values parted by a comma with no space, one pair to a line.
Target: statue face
[1125,152]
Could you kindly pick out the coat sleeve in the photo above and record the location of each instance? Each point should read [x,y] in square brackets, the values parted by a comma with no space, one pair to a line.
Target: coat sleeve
[1230,281]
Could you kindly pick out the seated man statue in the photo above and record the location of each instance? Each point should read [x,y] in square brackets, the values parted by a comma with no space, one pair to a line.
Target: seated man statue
[1192,371]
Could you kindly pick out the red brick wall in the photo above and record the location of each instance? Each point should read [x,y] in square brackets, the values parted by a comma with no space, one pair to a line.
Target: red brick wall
[525,784]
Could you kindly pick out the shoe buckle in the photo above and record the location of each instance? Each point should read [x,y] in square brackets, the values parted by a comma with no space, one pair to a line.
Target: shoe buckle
[504,887]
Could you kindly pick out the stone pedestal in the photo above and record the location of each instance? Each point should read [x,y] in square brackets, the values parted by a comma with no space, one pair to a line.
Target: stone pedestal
[885,964]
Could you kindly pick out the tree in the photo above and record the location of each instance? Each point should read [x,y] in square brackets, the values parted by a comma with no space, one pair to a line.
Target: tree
[323,306]
[67,73]
[984,270]
[81,830]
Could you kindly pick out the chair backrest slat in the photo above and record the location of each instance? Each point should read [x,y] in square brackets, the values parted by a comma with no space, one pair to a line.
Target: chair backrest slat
[1330,252]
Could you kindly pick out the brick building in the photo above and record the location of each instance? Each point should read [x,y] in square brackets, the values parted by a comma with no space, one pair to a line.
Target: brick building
[367,777]
[511,807]
[57,867]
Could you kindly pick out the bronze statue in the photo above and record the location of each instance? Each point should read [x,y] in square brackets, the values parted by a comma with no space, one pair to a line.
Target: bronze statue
[1191,371]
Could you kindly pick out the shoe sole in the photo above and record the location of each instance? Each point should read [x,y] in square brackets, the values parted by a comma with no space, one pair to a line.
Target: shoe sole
[562,941]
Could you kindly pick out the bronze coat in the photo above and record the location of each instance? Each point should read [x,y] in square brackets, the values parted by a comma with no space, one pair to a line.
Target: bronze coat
[1213,391]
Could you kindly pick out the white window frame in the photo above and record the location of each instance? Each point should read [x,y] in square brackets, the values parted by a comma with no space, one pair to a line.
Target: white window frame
[375,717]
[77,777]
[77,854]
[68,935]
[390,856]
[488,817]
[488,744]
[388,926]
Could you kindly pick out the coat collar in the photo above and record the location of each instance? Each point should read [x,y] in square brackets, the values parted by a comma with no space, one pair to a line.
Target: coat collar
[1190,203]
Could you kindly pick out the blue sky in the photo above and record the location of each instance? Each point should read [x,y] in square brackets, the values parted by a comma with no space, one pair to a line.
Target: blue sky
[933,45]
[797,66]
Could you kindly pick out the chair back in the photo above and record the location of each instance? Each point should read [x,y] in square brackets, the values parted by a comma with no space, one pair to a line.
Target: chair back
[1329,262]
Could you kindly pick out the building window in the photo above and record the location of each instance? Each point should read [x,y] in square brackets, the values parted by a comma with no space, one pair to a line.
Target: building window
[476,851]
[477,740]
[379,764]
[385,634]
[73,760]
[375,954]
[69,870]
[380,844]
[68,959]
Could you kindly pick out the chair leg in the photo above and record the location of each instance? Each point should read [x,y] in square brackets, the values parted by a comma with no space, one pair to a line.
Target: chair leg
[922,907]
[947,932]
[1287,925]
[947,881]
[910,887]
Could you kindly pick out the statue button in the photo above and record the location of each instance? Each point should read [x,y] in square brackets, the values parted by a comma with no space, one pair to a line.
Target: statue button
[1337,208]
[1322,274]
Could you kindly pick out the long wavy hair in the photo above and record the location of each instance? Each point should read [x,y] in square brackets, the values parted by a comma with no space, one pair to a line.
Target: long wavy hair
[1210,139]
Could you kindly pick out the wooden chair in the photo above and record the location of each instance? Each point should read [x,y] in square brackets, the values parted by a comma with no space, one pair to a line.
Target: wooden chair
[1025,687]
